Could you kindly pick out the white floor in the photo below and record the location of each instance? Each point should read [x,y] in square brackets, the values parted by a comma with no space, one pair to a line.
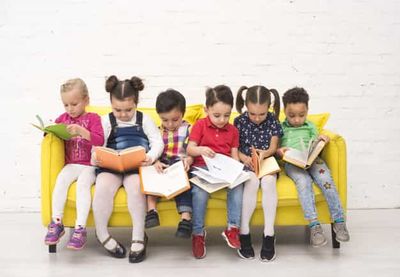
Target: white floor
[374,250]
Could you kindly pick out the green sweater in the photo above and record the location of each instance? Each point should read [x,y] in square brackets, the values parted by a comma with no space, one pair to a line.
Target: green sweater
[294,136]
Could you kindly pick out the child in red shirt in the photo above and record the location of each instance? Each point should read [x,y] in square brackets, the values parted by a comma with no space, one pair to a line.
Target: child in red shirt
[209,136]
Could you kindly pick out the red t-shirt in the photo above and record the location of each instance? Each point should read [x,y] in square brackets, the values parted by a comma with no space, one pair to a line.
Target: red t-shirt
[221,140]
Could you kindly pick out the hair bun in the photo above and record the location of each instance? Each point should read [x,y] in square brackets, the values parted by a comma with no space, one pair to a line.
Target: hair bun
[111,83]
[136,83]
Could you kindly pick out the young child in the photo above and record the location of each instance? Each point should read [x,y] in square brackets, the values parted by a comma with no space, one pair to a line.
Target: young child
[260,129]
[297,132]
[125,127]
[171,106]
[88,132]
[209,136]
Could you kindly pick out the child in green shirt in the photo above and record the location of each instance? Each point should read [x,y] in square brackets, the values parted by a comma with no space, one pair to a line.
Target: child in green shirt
[298,131]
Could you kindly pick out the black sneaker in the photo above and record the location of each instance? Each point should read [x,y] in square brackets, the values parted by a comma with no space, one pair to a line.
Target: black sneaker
[268,249]
[152,219]
[246,250]
[184,229]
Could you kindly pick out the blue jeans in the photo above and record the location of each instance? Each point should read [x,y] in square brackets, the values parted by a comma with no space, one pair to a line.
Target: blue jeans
[184,202]
[321,175]
[200,199]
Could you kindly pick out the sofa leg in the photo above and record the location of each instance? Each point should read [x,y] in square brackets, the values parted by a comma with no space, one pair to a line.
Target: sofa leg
[335,243]
[53,248]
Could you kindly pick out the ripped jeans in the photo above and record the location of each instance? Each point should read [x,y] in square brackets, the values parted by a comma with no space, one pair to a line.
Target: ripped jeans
[321,175]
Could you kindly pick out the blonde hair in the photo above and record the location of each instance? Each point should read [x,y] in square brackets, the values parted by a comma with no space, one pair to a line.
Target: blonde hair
[77,83]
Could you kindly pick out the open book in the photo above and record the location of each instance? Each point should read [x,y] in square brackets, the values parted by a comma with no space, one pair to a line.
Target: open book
[173,181]
[122,160]
[305,158]
[223,171]
[263,166]
[60,130]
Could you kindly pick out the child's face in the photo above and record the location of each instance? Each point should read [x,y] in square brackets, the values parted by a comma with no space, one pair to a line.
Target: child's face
[171,120]
[74,102]
[257,112]
[123,110]
[296,114]
[219,114]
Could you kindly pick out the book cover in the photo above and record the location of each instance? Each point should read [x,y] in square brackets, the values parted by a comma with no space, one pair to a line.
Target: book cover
[305,158]
[172,182]
[120,161]
[262,165]
[59,130]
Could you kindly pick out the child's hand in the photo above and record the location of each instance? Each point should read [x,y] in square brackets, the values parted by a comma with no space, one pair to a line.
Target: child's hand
[206,151]
[148,161]
[187,162]
[77,130]
[324,138]
[160,166]
[248,161]
[281,151]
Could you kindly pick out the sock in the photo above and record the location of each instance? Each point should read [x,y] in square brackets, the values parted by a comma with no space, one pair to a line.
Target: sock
[313,223]
[339,220]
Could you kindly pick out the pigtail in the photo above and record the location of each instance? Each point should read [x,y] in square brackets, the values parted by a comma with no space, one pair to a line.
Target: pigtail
[111,83]
[277,103]
[239,99]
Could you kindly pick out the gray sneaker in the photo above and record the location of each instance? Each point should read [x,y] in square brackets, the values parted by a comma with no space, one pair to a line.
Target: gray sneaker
[317,237]
[341,232]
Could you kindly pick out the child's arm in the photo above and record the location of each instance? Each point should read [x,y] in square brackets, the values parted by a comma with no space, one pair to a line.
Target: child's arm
[194,150]
[273,147]
[235,153]
[187,162]
[246,160]
[159,166]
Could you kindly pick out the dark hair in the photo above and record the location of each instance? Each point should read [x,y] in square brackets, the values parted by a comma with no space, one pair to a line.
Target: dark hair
[169,100]
[123,89]
[217,94]
[295,95]
[258,95]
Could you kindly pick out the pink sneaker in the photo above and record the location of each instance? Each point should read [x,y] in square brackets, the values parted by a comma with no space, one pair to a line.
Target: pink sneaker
[54,232]
[78,239]
[231,236]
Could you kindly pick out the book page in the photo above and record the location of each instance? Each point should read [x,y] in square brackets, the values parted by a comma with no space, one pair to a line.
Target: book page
[224,167]
[171,182]
[205,175]
[315,151]
[268,166]
[296,157]
[243,177]
[210,188]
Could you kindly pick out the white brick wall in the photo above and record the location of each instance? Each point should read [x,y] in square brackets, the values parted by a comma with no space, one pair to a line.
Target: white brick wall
[345,53]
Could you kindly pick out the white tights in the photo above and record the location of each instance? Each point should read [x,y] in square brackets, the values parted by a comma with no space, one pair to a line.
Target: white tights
[107,185]
[269,202]
[85,177]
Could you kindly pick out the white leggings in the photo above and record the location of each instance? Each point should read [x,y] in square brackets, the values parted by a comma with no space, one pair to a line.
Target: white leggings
[107,184]
[269,202]
[85,177]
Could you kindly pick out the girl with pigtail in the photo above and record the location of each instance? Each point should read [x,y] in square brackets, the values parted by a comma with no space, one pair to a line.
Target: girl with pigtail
[125,127]
[258,128]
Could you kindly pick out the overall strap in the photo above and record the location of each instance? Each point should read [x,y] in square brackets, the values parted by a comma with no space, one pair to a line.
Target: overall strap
[139,118]
[113,122]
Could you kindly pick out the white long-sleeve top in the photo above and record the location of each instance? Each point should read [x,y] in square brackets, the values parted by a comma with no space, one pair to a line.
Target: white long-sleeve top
[149,128]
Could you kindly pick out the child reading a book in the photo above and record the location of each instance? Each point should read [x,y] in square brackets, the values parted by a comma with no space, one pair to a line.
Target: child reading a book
[297,132]
[125,127]
[260,129]
[209,136]
[171,106]
[87,132]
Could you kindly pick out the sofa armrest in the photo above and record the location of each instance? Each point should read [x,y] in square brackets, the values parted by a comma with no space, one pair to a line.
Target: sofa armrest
[52,161]
[334,154]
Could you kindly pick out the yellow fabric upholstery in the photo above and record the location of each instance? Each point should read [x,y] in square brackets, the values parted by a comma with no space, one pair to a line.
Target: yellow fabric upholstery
[289,211]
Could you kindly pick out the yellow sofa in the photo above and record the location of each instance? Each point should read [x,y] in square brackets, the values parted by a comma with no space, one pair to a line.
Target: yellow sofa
[289,211]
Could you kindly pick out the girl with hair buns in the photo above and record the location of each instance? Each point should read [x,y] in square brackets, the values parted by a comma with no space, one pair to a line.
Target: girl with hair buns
[125,127]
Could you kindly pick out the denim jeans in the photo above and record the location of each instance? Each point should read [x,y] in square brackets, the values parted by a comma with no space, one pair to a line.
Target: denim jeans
[321,175]
[184,202]
[200,199]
